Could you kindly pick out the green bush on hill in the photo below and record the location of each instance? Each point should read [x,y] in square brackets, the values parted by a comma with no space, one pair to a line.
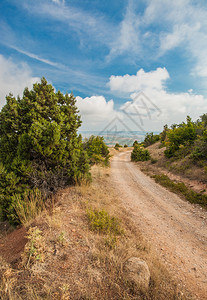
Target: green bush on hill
[150,139]
[39,145]
[180,136]
[117,146]
[97,150]
[139,154]
[135,143]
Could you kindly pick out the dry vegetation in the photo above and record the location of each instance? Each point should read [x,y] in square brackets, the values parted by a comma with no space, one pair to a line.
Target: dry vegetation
[65,259]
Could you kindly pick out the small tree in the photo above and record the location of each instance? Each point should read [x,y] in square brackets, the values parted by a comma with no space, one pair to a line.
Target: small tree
[39,145]
[182,134]
[97,150]
[140,154]
[135,143]
[117,146]
[150,139]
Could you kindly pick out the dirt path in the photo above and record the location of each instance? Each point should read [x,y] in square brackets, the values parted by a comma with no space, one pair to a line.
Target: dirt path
[175,228]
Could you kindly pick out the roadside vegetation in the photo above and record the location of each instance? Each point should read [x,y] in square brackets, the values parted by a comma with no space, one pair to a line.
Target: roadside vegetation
[41,152]
[181,189]
[78,251]
[97,150]
[180,150]
[139,153]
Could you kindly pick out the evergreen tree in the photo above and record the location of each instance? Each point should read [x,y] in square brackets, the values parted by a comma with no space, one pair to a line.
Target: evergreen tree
[39,145]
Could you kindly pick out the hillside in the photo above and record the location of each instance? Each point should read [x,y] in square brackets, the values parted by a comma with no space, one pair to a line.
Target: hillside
[63,258]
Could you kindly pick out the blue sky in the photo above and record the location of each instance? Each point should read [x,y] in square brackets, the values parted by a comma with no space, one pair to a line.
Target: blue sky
[106,52]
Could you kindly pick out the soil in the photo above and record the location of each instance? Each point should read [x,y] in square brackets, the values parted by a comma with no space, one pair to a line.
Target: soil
[175,228]
[12,245]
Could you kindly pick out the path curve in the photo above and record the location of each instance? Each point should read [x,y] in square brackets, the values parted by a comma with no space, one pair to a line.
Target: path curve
[175,228]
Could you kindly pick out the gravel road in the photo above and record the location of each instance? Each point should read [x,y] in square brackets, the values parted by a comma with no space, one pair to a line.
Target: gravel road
[176,229]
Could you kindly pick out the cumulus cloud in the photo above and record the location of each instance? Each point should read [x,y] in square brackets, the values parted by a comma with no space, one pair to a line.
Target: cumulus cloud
[14,78]
[95,112]
[155,106]
[140,81]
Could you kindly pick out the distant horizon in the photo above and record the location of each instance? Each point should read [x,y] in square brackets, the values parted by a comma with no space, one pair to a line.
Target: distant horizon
[120,137]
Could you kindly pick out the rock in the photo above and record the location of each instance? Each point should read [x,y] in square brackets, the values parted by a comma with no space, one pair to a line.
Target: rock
[137,272]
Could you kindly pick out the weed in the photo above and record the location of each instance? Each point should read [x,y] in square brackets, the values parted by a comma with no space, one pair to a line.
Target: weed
[35,247]
[61,239]
[101,221]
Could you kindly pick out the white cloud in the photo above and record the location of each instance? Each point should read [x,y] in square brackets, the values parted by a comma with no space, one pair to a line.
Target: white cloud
[59,1]
[174,107]
[14,78]
[89,27]
[140,81]
[185,26]
[36,57]
[95,112]
[128,36]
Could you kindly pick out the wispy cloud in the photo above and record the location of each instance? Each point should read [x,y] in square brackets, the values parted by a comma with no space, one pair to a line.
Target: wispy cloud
[36,57]
[89,27]
[128,38]
[59,1]
[186,27]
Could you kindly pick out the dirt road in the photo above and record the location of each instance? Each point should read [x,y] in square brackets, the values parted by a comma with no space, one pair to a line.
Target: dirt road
[175,228]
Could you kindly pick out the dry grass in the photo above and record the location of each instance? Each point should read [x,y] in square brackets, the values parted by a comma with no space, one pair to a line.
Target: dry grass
[79,263]
[30,207]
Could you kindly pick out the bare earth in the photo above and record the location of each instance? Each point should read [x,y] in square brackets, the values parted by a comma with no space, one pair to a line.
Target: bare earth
[175,228]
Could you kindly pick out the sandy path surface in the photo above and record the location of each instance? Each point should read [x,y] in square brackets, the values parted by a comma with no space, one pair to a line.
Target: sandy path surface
[176,229]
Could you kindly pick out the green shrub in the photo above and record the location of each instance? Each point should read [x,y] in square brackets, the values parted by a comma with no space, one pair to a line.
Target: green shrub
[97,150]
[163,134]
[150,139]
[183,134]
[200,151]
[102,222]
[39,145]
[135,143]
[117,146]
[139,154]
[125,146]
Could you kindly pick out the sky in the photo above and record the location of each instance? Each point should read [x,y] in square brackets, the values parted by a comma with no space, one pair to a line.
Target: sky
[132,65]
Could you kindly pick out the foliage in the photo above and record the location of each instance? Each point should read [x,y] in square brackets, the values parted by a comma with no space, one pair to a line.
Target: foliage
[97,150]
[139,154]
[200,151]
[135,143]
[180,136]
[102,222]
[125,146]
[150,139]
[117,146]
[39,145]
[181,189]
[163,134]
